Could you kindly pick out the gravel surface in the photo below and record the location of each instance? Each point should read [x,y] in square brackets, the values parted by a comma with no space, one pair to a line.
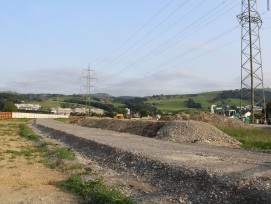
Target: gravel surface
[187,173]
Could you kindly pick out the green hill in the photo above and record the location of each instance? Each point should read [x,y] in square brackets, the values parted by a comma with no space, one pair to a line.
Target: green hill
[176,103]
[150,105]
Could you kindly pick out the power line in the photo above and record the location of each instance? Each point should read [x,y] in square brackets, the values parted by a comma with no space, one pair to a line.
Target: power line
[147,34]
[152,53]
[194,58]
[182,18]
[141,27]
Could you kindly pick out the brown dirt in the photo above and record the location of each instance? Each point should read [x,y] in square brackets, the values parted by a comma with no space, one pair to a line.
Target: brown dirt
[23,179]
[137,127]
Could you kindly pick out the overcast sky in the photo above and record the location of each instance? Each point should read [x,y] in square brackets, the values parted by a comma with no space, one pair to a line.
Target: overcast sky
[136,47]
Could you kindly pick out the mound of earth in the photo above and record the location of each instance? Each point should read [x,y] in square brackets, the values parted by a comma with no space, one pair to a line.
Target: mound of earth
[195,131]
[178,131]
[216,120]
[137,127]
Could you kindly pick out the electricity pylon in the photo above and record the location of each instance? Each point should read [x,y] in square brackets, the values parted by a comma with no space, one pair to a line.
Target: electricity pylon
[252,87]
[89,77]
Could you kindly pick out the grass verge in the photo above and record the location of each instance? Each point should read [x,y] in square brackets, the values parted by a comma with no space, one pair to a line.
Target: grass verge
[251,138]
[25,131]
[94,192]
[65,120]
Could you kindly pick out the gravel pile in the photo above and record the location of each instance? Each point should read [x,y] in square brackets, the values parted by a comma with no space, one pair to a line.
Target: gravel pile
[195,131]
[216,120]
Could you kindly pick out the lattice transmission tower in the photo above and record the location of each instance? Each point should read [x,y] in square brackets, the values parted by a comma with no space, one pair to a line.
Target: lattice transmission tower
[252,86]
[88,76]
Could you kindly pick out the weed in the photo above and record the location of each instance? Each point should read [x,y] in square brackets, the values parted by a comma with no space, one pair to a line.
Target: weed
[2,125]
[51,165]
[45,144]
[63,153]
[75,166]
[24,152]
[94,191]
[64,120]
[251,138]
[6,132]
[26,132]
[12,125]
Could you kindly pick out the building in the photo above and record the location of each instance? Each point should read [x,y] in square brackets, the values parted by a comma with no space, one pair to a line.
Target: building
[28,107]
[61,111]
[85,111]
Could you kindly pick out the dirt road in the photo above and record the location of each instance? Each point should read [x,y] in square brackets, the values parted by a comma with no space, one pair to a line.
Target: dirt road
[193,173]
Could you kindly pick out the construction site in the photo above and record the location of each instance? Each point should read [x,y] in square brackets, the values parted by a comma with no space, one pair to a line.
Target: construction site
[213,147]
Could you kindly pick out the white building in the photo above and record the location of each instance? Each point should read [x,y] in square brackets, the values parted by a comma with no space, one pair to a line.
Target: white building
[31,107]
[61,111]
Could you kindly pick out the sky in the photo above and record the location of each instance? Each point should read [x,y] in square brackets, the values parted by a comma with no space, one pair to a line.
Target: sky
[133,47]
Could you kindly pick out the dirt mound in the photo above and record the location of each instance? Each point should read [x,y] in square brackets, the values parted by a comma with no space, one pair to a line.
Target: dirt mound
[137,127]
[216,120]
[179,131]
[195,131]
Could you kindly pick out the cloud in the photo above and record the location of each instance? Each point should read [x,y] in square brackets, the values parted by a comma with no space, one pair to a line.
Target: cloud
[170,82]
[47,81]
[202,46]
[67,81]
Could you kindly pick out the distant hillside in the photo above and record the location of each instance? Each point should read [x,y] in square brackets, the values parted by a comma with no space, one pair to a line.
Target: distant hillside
[202,101]
[146,105]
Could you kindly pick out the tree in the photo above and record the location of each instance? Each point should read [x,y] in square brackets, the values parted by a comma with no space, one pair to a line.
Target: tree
[143,113]
[192,104]
[9,107]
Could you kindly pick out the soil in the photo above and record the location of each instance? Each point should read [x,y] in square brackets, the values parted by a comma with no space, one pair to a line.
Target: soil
[25,179]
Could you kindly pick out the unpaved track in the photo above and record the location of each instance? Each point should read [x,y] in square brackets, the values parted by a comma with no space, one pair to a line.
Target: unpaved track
[188,168]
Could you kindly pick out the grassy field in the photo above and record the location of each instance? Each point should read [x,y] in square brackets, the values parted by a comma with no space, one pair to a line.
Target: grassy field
[251,138]
[178,102]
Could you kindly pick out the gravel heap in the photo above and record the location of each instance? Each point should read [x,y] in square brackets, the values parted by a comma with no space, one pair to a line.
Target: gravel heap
[195,131]
[216,120]
[178,131]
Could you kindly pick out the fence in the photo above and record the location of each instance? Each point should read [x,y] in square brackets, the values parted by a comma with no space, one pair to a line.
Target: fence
[5,115]
[29,115]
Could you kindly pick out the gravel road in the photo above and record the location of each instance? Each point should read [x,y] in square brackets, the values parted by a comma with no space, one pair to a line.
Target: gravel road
[192,173]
